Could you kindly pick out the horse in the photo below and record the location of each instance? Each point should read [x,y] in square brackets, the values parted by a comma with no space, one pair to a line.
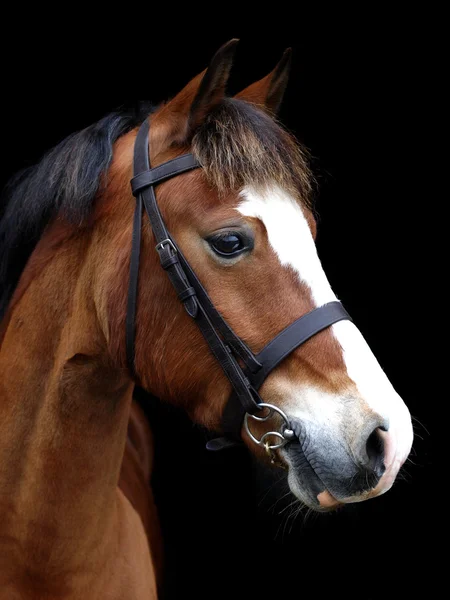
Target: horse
[78,516]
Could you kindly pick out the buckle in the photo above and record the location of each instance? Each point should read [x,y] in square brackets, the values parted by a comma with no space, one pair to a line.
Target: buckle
[161,245]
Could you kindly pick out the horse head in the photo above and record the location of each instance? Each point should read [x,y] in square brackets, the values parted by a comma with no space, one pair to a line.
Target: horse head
[246,224]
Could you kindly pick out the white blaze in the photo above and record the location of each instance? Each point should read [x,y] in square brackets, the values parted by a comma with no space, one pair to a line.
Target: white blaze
[291,239]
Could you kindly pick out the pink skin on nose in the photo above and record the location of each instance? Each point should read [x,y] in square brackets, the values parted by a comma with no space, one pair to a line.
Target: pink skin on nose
[392,463]
[326,500]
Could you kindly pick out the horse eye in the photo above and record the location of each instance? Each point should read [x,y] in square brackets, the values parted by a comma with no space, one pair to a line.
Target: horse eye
[228,244]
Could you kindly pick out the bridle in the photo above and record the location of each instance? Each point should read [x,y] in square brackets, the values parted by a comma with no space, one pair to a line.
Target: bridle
[229,350]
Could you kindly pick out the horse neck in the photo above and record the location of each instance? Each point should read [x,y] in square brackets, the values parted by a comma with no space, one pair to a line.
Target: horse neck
[64,411]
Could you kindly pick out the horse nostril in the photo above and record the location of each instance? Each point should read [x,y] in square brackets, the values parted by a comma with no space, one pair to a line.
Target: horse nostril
[375,452]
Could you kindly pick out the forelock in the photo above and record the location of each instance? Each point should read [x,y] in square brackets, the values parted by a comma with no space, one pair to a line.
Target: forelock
[240,145]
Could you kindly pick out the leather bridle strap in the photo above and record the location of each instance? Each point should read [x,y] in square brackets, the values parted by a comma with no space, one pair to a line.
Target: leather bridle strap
[296,334]
[170,256]
[167,170]
[224,344]
[230,338]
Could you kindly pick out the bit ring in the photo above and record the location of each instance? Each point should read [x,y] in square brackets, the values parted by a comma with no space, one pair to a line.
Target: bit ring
[285,436]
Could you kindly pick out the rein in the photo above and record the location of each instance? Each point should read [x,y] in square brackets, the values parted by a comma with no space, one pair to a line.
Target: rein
[245,402]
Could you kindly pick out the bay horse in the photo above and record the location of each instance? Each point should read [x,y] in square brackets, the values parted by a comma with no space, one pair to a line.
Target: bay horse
[77,516]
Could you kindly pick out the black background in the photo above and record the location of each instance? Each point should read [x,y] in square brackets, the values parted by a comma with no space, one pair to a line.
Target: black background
[356,100]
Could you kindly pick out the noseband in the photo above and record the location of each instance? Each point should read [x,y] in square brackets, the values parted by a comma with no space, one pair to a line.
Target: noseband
[230,351]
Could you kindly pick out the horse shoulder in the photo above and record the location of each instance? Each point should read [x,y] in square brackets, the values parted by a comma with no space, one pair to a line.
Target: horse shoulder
[134,483]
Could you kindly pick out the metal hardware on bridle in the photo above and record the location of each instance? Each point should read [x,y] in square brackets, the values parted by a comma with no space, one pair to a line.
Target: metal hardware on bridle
[285,435]
[228,348]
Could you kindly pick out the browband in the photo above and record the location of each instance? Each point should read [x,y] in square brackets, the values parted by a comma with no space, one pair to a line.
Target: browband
[169,169]
[226,346]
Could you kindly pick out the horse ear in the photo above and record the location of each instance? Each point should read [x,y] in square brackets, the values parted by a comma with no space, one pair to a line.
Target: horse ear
[269,91]
[185,112]
[213,84]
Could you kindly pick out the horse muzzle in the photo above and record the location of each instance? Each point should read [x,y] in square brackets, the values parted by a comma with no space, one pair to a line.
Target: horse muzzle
[325,471]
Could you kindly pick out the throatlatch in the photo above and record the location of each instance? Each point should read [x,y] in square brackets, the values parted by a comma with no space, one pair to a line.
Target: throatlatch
[226,346]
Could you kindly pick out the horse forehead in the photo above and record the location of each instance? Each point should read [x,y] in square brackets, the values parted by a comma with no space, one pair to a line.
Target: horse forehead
[290,233]
[282,214]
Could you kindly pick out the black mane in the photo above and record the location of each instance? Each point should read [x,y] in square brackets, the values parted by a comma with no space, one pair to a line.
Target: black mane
[65,181]
[237,145]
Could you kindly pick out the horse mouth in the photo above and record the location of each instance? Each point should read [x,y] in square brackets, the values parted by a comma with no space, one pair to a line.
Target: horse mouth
[305,483]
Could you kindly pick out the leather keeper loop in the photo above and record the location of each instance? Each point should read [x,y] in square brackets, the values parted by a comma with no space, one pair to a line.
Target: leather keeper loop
[169,261]
[187,293]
